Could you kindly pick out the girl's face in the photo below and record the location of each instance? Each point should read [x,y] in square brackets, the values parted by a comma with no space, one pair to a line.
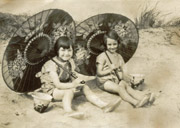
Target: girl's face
[65,54]
[112,45]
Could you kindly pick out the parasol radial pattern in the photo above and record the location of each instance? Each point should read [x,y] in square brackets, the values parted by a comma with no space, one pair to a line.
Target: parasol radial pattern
[31,46]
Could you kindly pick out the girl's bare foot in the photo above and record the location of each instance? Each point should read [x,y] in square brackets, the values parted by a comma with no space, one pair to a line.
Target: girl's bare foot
[143,102]
[112,106]
[76,115]
[151,98]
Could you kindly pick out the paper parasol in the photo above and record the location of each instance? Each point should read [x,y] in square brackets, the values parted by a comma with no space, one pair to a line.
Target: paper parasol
[29,46]
[90,33]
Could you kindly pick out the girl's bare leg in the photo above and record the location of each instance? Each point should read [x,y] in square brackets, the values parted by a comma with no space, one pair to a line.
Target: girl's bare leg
[126,77]
[91,97]
[121,90]
[107,107]
[58,94]
[67,100]
[66,96]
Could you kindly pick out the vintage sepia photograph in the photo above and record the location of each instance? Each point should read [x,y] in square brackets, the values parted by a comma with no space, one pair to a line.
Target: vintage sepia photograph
[89,64]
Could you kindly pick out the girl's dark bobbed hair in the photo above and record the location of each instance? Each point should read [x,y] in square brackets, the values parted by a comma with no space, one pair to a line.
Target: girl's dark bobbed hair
[64,42]
[112,35]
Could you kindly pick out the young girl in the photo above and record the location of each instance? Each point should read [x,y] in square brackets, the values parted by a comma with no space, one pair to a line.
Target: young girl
[109,61]
[58,83]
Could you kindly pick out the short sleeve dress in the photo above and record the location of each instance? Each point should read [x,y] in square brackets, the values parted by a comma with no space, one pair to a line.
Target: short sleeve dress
[50,66]
[103,60]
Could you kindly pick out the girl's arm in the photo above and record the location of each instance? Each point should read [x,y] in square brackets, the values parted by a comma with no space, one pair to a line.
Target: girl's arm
[84,77]
[59,84]
[101,72]
[100,62]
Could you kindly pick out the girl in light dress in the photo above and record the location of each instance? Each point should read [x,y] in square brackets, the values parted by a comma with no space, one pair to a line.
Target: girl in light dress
[110,66]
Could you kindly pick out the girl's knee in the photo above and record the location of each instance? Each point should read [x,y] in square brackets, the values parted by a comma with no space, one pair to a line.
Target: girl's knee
[87,90]
[57,94]
[123,84]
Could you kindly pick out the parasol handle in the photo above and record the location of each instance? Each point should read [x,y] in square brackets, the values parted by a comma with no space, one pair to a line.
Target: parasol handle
[115,70]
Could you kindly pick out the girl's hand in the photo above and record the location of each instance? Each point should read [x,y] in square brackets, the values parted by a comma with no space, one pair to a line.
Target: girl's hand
[77,82]
[73,74]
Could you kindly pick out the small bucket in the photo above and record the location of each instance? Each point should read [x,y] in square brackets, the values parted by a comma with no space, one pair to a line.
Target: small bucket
[137,79]
[41,101]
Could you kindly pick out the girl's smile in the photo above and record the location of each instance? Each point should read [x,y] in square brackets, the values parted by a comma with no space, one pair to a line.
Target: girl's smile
[65,54]
[112,45]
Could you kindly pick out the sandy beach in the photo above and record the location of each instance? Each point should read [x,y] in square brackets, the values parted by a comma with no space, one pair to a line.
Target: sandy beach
[157,57]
